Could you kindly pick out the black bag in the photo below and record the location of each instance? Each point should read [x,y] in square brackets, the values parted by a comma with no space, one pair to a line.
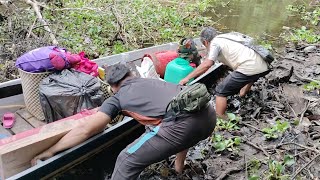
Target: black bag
[68,92]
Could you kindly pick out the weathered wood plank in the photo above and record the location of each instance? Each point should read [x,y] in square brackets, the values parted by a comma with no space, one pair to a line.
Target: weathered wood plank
[4,132]
[20,125]
[11,104]
[17,151]
[35,122]
[24,113]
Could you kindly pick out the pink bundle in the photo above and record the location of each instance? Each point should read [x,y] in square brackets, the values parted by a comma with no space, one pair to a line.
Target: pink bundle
[86,66]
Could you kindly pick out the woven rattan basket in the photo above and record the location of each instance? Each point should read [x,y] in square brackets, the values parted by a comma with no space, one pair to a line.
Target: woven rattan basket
[30,86]
[107,92]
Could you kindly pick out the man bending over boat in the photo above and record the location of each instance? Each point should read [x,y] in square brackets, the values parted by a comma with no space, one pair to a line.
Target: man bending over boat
[248,66]
[146,101]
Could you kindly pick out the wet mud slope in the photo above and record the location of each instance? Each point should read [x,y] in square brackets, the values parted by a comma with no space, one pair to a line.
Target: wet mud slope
[272,133]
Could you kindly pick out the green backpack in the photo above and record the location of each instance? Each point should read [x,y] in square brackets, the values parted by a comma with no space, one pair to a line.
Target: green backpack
[191,99]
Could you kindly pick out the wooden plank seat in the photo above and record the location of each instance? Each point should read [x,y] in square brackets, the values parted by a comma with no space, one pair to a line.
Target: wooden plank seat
[24,120]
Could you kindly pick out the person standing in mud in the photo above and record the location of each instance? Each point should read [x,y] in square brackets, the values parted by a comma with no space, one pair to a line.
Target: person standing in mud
[146,101]
[248,67]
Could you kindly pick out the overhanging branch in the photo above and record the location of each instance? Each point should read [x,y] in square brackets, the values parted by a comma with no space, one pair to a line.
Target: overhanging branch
[35,6]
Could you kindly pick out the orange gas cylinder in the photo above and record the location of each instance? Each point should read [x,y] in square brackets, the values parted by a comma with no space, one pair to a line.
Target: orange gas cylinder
[161,59]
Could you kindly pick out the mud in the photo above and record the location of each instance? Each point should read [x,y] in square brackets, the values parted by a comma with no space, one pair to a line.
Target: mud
[278,96]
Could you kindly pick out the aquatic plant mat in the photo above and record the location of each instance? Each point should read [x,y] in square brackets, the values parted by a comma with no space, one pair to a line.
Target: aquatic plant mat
[272,133]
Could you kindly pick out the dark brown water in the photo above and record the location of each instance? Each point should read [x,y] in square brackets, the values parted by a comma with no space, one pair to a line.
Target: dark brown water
[255,17]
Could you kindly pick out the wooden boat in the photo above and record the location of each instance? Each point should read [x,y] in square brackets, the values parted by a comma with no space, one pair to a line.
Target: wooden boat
[11,99]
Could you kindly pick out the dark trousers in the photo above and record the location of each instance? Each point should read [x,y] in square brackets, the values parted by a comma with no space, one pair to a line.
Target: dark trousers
[162,141]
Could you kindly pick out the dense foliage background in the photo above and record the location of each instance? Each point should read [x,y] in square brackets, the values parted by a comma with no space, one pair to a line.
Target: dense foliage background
[104,27]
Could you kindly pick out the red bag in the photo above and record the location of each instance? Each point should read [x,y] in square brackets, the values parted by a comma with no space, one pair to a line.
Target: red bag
[161,59]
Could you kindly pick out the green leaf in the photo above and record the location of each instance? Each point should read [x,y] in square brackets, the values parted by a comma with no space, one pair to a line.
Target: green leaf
[288,160]
[220,146]
[268,130]
[282,127]
[296,122]
[237,141]
[254,177]
[228,142]
[231,116]
[271,136]
[217,138]
[271,165]
[279,168]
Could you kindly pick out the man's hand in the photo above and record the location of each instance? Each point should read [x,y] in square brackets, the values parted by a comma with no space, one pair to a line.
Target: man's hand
[184,81]
[43,156]
[85,129]
[202,68]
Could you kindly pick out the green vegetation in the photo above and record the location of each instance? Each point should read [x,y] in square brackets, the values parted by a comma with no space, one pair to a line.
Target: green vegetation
[266,44]
[253,168]
[103,27]
[110,27]
[276,168]
[220,144]
[312,86]
[230,124]
[305,33]
[278,129]
[308,15]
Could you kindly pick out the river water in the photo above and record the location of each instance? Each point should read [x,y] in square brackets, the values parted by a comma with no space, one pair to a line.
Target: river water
[254,17]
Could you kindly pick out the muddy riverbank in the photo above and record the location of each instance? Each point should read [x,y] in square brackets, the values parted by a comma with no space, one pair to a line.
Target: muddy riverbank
[277,136]
[279,128]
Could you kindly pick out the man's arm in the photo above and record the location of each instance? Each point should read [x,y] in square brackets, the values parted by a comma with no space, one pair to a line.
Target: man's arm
[202,68]
[82,132]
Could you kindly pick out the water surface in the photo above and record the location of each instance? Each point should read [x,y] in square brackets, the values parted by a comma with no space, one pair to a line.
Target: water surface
[255,17]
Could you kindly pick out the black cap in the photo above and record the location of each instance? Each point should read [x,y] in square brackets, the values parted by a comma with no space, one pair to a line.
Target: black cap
[116,73]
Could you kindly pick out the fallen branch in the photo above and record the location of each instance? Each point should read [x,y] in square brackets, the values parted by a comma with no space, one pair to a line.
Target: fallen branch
[119,35]
[281,141]
[306,165]
[303,78]
[35,5]
[245,161]
[300,153]
[229,171]
[304,111]
[249,125]
[305,147]
[289,58]
[279,115]
[310,174]
[257,147]
[287,103]
[31,27]
[77,9]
